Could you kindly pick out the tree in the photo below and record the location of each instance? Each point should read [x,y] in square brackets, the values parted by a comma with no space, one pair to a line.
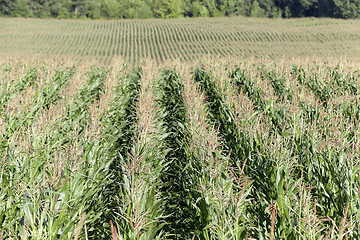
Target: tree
[6,7]
[256,10]
[347,8]
[60,8]
[269,8]
[20,8]
[177,8]
[110,9]
[167,8]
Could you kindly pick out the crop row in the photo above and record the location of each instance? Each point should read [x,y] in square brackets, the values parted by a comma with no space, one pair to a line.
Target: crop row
[289,169]
[184,39]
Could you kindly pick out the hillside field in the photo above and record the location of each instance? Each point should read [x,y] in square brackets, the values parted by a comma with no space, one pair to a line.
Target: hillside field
[184,39]
[206,129]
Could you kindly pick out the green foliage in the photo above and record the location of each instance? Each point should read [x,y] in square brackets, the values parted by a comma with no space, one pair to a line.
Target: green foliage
[346,9]
[10,89]
[175,182]
[221,115]
[256,11]
[236,143]
[119,130]
[276,115]
[95,9]
[167,8]
[27,80]
[51,94]
[50,208]
[278,83]
[90,92]
[245,84]
[178,185]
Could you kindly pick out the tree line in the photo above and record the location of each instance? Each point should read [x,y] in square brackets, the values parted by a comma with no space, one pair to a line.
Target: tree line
[115,9]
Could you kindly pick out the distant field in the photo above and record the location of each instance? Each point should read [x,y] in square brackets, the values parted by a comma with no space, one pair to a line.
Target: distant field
[184,39]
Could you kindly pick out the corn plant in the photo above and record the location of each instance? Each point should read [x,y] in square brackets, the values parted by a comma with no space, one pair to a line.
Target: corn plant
[178,180]
[243,82]
[51,94]
[47,209]
[278,83]
[242,148]
[272,209]
[166,170]
[10,89]
[346,83]
[276,114]
[119,132]
[29,79]
[322,90]
[44,97]
[224,120]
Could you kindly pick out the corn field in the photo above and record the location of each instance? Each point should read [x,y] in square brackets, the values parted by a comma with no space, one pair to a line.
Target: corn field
[211,150]
[101,42]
